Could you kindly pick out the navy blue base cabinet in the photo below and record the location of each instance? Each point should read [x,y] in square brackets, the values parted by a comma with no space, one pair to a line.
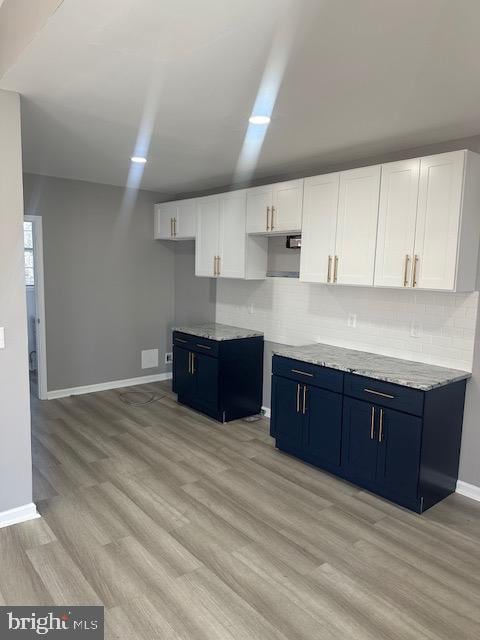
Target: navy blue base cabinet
[400,443]
[223,379]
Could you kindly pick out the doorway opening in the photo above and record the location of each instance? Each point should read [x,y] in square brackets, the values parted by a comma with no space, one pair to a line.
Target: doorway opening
[33,251]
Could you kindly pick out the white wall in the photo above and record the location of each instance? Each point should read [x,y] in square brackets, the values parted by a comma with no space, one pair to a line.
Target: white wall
[294,312]
[15,451]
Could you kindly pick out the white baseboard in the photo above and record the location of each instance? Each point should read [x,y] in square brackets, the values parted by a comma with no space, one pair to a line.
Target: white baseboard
[105,386]
[468,490]
[266,412]
[19,514]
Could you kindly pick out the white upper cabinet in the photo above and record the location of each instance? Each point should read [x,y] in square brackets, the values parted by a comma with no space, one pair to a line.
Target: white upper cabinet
[176,220]
[319,226]
[206,249]
[276,208]
[354,260]
[396,223]
[438,221]
[223,249]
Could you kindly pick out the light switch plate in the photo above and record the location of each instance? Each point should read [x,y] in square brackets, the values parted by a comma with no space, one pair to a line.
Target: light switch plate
[149,358]
[2,337]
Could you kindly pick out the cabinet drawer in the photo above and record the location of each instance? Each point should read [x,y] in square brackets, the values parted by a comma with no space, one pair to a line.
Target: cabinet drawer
[385,394]
[195,343]
[307,373]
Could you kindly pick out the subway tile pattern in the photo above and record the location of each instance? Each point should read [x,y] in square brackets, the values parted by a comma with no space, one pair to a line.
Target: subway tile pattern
[292,312]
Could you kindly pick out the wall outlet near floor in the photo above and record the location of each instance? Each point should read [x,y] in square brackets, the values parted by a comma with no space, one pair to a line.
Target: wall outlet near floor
[352,320]
[149,358]
[169,357]
[416,330]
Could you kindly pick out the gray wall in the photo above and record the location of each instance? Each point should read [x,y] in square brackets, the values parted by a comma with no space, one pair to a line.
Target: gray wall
[15,452]
[195,298]
[109,286]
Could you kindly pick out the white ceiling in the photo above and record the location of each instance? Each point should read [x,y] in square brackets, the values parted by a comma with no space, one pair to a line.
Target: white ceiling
[360,77]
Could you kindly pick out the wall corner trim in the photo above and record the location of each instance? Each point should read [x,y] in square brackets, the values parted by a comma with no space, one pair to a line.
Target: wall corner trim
[468,490]
[105,386]
[19,514]
[266,412]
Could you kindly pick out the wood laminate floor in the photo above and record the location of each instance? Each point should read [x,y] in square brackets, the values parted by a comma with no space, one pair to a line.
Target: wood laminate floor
[187,529]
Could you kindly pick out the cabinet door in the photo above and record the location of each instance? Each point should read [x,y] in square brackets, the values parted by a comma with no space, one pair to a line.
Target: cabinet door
[438,220]
[287,414]
[205,372]
[183,380]
[164,215]
[287,206]
[319,226]
[323,429]
[396,223]
[206,249]
[360,445]
[357,225]
[399,440]
[259,205]
[232,234]
[186,219]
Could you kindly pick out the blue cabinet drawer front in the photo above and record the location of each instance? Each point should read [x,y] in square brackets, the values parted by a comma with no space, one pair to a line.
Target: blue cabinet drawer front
[307,373]
[384,394]
[194,343]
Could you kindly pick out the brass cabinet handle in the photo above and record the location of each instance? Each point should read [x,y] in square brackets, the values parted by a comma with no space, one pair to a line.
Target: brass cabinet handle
[193,363]
[204,346]
[372,424]
[379,393]
[303,373]
[171,226]
[380,432]
[329,269]
[175,227]
[335,269]
[415,264]
[298,398]
[268,221]
[218,265]
[189,362]
[272,218]
[304,399]
[405,271]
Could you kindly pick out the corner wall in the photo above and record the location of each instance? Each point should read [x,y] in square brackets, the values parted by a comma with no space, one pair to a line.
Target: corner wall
[15,448]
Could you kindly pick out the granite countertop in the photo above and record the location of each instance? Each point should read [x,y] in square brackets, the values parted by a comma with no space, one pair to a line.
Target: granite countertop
[214,331]
[407,373]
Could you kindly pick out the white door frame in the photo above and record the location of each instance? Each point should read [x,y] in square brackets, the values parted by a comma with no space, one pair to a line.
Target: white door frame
[39,304]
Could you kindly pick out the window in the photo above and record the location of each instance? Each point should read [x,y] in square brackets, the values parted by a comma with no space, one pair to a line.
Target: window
[28,247]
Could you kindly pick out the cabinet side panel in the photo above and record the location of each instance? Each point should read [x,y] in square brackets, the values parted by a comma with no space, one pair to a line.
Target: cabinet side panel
[241,377]
[467,258]
[442,434]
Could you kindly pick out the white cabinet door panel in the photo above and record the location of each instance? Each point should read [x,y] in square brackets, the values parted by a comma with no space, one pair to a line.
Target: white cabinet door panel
[232,236]
[396,223]
[207,242]
[438,220]
[319,225]
[186,218]
[164,214]
[357,225]
[259,203]
[287,206]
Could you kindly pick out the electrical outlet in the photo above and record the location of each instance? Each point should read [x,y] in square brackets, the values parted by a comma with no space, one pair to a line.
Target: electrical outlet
[415,330]
[352,320]
[169,357]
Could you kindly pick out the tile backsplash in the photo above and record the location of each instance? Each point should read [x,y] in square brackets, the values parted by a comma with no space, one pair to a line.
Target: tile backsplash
[433,327]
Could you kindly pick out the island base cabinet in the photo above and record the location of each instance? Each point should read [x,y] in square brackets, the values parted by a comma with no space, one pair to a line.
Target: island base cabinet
[224,380]
[396,441]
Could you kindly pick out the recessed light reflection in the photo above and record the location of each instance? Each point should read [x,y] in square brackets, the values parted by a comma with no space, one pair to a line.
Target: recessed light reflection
[138,159]
[259,119]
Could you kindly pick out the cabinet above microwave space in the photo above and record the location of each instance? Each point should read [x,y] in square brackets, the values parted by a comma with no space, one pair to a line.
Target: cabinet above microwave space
[408,224]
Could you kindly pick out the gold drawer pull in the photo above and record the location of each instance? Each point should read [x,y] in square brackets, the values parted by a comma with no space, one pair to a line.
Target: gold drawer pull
[298,398]
[380,433]
[405,271]
[303,373]
[329,268]
[304,399]
[372,424]
[379,393]
[204,346]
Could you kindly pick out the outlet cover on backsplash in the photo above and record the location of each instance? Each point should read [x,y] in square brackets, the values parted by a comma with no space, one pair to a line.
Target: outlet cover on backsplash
[149,358]
[352,321]
[416,330]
